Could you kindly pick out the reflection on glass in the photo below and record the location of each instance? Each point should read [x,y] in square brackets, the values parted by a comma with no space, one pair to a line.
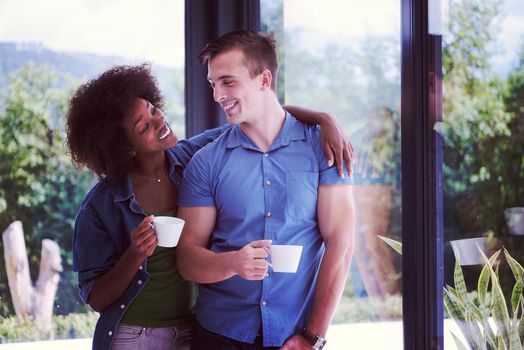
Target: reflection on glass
[46,50]
[483,133]
[344,58]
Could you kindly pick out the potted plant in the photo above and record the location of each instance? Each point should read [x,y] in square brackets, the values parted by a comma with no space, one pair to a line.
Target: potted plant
[515,220]
[469,250]
[487,322]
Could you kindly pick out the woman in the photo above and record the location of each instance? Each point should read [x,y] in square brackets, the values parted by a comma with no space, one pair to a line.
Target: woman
[116,128]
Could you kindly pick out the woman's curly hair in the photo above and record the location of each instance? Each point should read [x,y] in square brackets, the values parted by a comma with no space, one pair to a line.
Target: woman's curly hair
[95,131]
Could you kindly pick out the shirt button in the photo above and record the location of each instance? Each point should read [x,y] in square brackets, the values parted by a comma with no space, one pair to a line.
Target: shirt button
[265,154]
[139,281]
[269,214]
[122,306]
[264,303]
[110,332]
[268,182]
[141,267]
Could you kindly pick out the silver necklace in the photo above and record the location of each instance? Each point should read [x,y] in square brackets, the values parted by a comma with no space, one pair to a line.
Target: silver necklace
[159,180]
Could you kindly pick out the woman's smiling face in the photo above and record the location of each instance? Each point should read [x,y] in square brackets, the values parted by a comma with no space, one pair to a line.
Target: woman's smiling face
[147,130]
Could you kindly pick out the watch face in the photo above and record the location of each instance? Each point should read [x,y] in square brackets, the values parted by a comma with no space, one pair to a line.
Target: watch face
[319,344]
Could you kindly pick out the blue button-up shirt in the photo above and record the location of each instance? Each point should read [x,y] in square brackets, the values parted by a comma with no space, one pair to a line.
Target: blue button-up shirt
[261,195]
[103,225]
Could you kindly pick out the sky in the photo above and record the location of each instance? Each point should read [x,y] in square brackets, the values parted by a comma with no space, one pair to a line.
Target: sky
[512,36]
[150,30]
[153,30]
[339,19]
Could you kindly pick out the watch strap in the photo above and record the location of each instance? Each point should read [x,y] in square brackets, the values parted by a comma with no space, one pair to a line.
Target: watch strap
[316,341]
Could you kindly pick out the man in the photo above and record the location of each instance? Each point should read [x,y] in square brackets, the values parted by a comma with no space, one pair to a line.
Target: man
[264,181]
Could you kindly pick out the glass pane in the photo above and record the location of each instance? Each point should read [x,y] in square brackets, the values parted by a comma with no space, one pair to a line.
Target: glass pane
[483,133]
[47,48]
[343,57]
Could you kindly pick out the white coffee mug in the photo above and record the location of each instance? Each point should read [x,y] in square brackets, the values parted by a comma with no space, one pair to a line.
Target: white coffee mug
[168,230]
[285,258]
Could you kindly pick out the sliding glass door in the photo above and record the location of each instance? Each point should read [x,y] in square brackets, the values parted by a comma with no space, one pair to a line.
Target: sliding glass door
[343,57]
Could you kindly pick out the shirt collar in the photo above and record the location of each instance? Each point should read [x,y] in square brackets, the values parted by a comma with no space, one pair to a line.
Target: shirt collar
[292,130]
[122,189]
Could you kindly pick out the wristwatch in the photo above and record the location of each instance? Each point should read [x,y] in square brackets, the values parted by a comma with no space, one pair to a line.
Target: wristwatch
[316,341]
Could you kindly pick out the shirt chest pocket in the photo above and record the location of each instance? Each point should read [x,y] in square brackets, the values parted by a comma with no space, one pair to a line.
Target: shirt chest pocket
[301,189]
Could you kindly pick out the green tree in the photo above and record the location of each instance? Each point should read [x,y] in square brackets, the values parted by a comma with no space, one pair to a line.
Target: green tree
[476,120]
[513,154]
[483,149]
[38,186]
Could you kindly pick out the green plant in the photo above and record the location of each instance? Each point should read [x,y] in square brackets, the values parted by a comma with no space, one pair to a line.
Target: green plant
[38,184]
[75,325]
[483,123]
[487,322]
[506,331]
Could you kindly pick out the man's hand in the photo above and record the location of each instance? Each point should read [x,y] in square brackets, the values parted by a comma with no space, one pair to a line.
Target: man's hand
[143,238]
[296,342]
[336,145]
[250,262]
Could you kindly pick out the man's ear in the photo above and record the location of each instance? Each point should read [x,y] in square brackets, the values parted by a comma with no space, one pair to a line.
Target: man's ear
[267,78]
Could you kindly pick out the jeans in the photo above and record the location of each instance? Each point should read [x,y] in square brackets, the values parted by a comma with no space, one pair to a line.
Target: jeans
[205,340]
[139,338]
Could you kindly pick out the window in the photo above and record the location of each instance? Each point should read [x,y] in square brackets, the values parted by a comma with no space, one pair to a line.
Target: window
[483,95]
[344,58]
[46,50]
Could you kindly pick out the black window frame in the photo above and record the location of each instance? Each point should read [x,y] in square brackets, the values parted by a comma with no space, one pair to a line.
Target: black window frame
[422,211]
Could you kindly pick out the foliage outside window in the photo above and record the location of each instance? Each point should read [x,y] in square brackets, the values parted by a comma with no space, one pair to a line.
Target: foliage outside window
[483,131]
[39,186]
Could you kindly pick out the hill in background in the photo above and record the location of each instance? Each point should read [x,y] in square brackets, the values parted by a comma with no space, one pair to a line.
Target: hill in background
[81,66]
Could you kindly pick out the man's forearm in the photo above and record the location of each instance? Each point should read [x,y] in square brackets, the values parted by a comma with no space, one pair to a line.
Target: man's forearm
[330,285]
[195,262]
[202,265]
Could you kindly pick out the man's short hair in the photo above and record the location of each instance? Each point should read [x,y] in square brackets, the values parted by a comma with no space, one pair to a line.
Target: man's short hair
[258,48]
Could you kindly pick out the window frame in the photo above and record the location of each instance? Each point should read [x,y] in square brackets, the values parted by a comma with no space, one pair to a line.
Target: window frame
[422,218]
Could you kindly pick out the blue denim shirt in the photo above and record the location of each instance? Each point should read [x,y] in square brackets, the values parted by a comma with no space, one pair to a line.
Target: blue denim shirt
[103,225]
[257,195]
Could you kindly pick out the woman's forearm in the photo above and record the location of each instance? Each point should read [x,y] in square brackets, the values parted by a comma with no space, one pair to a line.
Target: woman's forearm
[308,116]
[111,285]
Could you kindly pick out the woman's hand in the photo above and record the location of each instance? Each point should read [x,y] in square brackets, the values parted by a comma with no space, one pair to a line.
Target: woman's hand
[143,238]
[336,145]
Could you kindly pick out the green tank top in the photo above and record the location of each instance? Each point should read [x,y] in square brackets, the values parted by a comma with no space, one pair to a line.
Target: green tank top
[167,300]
